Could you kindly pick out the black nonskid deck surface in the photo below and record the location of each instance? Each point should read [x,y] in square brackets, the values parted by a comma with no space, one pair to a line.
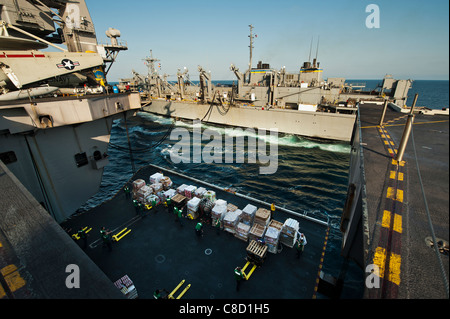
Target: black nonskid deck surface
[159,253]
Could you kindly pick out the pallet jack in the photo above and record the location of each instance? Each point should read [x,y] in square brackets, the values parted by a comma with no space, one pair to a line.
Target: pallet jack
[170,296]
[256,254]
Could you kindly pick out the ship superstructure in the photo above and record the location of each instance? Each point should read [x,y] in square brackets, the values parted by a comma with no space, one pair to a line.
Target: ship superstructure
[300,103]
[55,109]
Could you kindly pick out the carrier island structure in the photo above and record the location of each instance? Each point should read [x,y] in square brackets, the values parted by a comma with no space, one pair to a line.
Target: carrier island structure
[57,145]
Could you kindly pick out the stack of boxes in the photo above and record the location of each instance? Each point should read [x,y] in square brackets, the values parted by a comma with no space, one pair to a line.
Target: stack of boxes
[231,220]
[189,191]
[289,232]
[262,217]
[192,206]
[218,211]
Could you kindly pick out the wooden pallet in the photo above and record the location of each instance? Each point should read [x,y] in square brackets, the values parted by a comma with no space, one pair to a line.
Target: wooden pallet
[257,249]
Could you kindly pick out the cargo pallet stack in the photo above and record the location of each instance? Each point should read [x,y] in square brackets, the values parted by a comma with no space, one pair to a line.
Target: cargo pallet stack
[289,232]
[272,236]
[231,220]
[126,286]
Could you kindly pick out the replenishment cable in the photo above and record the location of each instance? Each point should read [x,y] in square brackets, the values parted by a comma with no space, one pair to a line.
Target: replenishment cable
[436,248]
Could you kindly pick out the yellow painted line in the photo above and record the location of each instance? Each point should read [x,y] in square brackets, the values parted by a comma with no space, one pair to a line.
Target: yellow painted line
[395,261]
[1,244]
[393,175]
[379,259]
[386,221]
[395,195]
[2,292]
[12,277]
[395,162]
[390,151]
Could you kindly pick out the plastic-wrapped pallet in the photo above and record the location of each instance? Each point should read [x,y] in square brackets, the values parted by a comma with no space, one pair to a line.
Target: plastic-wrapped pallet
[137,184]
[190,191]
[157,187]
[221,202]
[289,232]
[218,212]
[156,178]
[242,231]
[152,199]
[230,220]
[143,192]
[193,205]
[181,189]
[291,227]
[200,192]
[257,231]
[169,194]
[211,195]
[262,216]
[248,214]
[271,237]
[166,182]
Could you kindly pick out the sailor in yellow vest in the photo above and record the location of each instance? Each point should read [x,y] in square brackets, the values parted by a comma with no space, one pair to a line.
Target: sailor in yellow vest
[272,210]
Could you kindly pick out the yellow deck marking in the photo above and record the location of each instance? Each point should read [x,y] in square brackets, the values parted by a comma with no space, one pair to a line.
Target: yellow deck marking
[395,162]
[386,221]
[392,194]
[393,175]
[12,277]
[394,268]
[379,259]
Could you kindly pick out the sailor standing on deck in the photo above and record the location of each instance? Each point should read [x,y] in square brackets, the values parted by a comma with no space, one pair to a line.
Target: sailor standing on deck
[82,235]
[238,276]
[300,244]
[272,210]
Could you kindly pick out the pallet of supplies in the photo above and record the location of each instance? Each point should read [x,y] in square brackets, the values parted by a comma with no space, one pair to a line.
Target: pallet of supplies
[178,200]
[200,192]
[157,187]
[289,232]
[192,206]
[166,182]
[126,286]
[169,194]
[248,214]
[156,178]
[181,189]
[218,212]
[189,191]
[271,238]
[262,216]
[143,192]
[242,231]
[231,207]
[152,199]
[137,184]
[230,220]
[211,195]
[276,224]
[257,231]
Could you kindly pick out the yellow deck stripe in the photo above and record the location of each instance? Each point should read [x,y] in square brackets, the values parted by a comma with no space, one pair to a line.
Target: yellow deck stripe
[395,195]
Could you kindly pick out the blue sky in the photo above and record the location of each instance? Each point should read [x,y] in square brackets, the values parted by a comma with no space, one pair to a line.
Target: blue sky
[412,41]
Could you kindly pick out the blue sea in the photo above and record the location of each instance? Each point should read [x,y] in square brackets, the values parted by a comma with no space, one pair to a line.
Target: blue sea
[311,175]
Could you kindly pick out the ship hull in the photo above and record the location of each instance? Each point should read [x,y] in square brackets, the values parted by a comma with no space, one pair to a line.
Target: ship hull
[330,126]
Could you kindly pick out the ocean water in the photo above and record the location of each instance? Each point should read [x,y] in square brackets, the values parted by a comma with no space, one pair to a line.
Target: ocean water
[311,175]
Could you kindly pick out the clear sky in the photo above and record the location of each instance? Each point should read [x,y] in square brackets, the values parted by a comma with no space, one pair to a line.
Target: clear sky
[411,42]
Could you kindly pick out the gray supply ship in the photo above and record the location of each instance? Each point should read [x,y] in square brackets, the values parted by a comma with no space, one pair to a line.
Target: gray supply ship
[56,145]
[300,103]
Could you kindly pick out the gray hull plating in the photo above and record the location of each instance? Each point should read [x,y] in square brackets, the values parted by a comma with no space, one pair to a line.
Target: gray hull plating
[330,126]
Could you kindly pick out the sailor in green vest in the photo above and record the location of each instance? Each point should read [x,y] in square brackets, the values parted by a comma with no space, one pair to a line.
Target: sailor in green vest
[238,275]
[180,216]
[105,234]
[169,204]
[199,229]
[126,189]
